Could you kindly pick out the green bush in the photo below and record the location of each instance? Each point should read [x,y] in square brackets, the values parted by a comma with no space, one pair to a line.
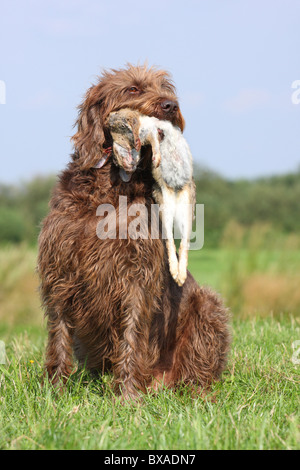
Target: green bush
[273,200]
[27,202]
[12,225]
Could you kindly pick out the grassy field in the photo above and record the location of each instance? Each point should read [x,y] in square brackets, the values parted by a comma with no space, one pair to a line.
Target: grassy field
[255,406]
[252,281]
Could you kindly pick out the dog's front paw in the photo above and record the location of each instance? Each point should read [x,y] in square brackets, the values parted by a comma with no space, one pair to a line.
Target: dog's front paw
[129,396]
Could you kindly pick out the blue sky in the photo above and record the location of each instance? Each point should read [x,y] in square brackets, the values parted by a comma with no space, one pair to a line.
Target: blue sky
[233,62]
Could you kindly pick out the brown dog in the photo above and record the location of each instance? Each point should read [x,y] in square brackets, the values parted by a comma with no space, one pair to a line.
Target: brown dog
[113,301]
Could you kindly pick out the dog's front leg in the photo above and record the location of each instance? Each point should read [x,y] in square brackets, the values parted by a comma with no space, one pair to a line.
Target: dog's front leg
[131,375]
[58,363]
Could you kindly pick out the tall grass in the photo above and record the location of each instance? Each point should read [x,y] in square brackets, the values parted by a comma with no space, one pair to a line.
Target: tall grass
[255,272]
[19,299]
[262,272]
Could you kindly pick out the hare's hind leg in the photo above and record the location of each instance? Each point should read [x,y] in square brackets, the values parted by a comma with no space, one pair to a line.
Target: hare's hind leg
[183,218]
[167,202]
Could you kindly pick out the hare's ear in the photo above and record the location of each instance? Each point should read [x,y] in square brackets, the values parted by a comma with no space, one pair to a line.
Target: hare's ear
[89,138]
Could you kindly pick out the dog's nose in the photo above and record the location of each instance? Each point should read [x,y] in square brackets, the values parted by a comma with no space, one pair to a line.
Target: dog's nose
[169,107]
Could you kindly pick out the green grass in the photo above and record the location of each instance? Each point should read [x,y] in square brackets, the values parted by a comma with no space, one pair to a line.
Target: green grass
[257,401]
[256,407]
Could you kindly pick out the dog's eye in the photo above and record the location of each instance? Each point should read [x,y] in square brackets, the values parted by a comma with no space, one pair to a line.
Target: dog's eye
[133,89]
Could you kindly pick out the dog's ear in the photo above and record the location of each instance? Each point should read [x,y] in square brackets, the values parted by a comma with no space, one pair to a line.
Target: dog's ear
[90,137]
[181,121]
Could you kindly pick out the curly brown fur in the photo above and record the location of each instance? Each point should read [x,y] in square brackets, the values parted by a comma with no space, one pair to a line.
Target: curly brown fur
[113,301]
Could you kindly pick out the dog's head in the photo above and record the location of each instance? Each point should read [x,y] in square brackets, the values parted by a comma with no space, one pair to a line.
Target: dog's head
[147,90]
